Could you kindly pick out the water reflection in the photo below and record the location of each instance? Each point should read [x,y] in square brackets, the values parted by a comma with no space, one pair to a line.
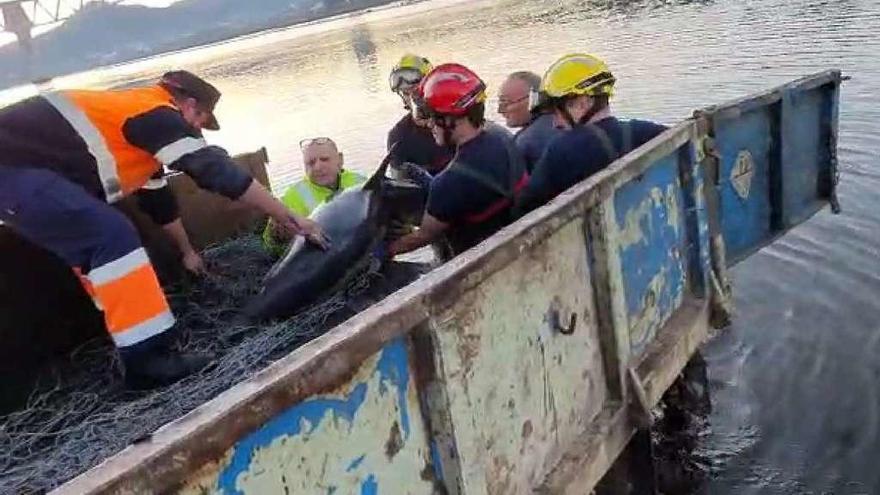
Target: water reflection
[367,58]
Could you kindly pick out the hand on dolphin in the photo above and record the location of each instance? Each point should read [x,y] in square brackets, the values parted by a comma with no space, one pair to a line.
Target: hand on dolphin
[311,231]
[259,197]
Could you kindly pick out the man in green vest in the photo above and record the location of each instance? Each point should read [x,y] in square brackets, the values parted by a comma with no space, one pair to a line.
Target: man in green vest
[325,178]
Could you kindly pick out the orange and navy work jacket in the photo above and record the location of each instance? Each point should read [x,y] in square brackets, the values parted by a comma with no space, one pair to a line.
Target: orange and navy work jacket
[116,143]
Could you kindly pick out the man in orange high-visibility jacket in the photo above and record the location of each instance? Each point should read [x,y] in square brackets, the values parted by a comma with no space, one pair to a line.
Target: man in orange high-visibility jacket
[65,155]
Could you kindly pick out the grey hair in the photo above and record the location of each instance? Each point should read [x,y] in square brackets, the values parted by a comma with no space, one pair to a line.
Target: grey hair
[528,77]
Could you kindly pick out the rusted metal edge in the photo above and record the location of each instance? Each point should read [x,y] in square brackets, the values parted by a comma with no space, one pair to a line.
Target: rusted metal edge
[591,455]
[614,352]
[181,447]
[669,352]
[736,107]
[581,467]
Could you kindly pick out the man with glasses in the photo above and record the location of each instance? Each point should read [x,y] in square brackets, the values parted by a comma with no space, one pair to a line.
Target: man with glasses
[66,156]
[471,199]
[325,179]
[411,136]
[516,103]
[578,88]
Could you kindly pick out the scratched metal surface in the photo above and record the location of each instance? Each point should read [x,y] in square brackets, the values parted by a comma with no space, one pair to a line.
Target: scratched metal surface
[365,437]
[517,389]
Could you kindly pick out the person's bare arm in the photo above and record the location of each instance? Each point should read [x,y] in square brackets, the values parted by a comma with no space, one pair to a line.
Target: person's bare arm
[428,232]
[192,261]
[258,197]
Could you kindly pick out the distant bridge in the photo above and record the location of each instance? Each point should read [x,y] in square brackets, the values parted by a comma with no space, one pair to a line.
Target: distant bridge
[21,16]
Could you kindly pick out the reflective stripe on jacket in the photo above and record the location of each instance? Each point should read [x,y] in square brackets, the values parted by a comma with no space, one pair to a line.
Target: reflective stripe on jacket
[100,117]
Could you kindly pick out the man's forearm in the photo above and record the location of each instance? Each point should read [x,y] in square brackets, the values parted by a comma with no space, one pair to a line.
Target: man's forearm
[259,197]
[410,242]
[178,234]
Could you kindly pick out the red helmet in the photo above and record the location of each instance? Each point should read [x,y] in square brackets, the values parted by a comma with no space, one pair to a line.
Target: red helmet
[452,89]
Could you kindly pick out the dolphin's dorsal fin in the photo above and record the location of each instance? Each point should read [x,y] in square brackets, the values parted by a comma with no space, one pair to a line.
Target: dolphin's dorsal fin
[375,182]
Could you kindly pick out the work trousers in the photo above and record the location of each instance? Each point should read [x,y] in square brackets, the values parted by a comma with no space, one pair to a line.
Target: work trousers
[97,241]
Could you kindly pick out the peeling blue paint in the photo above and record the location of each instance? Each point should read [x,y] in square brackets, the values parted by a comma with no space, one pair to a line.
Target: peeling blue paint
[369,486]
[287,423]
[436,461]
[663,246]
[697,242]
[355,463]
[393,369]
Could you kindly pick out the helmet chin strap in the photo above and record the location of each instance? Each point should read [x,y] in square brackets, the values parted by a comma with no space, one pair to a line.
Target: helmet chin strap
[594,109]
[563,109]
[584,120]
[448,125]
[406,104]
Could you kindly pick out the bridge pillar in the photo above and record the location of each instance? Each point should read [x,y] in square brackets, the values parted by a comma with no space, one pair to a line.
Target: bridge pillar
[17,22]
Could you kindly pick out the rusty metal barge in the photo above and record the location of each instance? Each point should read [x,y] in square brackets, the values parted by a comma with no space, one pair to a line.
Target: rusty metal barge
[526,364]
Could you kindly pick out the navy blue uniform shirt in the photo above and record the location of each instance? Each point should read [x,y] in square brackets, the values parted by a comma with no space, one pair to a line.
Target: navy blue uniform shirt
[533,139]
[579,153]
[474,193]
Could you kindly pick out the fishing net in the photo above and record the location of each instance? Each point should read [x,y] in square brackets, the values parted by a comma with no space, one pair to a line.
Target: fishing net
[80,414]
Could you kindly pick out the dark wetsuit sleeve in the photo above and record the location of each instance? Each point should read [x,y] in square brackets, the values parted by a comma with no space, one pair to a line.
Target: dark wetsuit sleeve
[165,134]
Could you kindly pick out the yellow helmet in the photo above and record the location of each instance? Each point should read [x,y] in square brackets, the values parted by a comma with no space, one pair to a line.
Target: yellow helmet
[409,71]
[577,74]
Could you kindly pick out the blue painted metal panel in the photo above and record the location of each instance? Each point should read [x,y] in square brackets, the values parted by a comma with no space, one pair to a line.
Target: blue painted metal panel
[697,245]
[746,220]
[805,153]
[789,138]
[309,417]
[653,248]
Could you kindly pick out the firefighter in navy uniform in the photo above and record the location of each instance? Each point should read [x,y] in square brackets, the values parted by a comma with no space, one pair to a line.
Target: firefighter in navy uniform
[577,89]
[472,198]
[65,155]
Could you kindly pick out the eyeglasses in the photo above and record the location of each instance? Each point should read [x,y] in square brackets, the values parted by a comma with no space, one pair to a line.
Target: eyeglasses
[305,143]
[503,104]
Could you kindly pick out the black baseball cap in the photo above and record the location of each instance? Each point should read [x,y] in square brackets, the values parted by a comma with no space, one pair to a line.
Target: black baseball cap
[194,86]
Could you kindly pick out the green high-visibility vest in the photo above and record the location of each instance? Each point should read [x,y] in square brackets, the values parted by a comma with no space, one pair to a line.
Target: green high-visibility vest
[303,197]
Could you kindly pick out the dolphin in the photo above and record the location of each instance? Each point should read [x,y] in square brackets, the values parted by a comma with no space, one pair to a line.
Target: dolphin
[356,222]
